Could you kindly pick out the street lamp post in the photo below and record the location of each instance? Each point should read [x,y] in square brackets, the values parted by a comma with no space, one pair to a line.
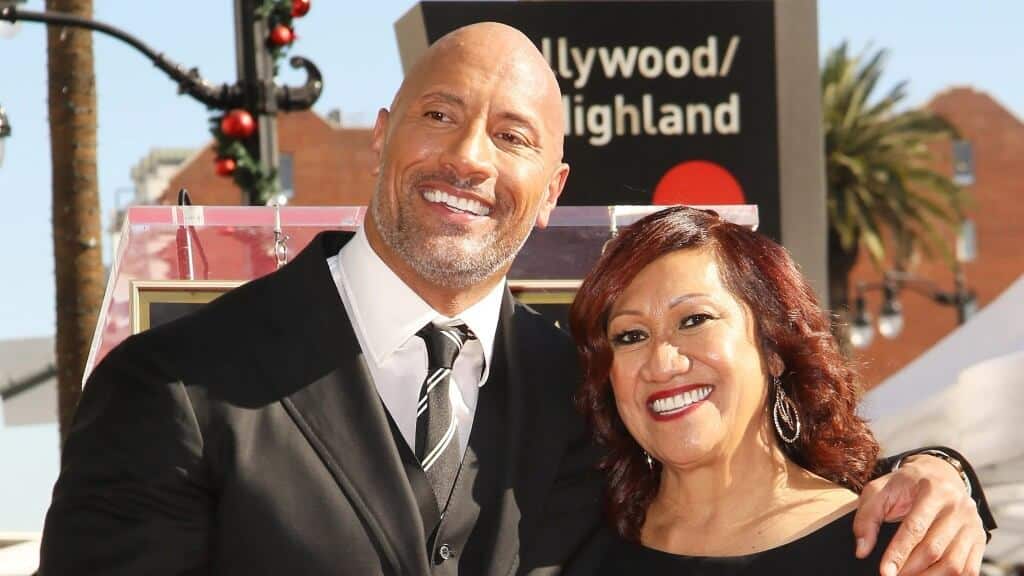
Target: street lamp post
[890,318]
[255,89]
[256,75]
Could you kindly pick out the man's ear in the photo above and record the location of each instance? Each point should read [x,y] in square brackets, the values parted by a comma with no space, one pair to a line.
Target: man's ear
[380,134]
[554,189]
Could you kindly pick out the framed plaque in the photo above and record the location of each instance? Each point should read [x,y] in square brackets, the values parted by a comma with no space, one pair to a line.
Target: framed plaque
[156,302]
[551,298]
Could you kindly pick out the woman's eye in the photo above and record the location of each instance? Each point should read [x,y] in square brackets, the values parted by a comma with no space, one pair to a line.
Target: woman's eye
[694,320]
[628,337]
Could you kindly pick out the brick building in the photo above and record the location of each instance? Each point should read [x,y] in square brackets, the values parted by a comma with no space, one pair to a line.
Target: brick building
[998,214]
[322,163]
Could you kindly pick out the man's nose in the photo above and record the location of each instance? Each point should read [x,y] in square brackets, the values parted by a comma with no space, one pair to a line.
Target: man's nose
[470,154]
[665,362]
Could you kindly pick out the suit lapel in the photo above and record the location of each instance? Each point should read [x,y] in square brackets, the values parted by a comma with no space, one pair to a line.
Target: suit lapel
[538,407]
[343,419]
[331,397]
[534,434]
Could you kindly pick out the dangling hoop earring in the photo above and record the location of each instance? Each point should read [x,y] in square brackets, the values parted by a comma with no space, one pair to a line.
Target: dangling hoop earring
[785,410]
[650,461]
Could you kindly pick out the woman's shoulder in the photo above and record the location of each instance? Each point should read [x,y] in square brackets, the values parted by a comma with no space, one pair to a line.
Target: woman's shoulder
[829,547]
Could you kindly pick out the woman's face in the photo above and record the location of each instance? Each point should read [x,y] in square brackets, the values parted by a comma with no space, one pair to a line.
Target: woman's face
[686,372]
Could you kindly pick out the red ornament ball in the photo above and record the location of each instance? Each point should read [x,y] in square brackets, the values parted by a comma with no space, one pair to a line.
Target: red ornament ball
[300,8]
[238,124]
[281,35]
[225,166]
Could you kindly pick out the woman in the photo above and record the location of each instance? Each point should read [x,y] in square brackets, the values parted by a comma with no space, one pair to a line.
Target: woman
[726,407]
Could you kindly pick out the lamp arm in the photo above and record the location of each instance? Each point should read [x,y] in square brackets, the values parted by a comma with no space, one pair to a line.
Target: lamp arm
[301,97]
[189,82]
[927,288]
[220,97]
[862,288]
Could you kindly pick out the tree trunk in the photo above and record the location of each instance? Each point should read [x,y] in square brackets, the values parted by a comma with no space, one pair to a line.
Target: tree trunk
[76,218]
[840,264]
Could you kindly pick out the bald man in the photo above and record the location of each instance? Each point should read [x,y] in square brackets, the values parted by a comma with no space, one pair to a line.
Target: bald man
[275,431]
[380,405]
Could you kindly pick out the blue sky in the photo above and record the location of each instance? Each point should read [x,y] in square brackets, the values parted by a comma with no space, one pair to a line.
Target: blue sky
[933,43]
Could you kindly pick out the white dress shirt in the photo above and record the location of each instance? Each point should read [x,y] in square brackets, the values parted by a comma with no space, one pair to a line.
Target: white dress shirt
[386,314]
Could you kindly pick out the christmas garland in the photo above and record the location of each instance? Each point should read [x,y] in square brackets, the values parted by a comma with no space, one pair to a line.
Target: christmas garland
[231,128]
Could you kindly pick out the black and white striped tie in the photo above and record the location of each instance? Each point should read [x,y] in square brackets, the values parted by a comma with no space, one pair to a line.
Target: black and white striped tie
[437,445]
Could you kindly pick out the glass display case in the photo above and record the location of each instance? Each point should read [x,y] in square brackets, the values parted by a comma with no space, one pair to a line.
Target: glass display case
[171,259]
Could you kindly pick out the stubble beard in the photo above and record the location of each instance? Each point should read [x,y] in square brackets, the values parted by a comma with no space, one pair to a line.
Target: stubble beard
[448,255]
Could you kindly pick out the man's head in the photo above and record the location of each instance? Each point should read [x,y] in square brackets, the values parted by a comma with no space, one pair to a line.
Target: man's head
[470,159]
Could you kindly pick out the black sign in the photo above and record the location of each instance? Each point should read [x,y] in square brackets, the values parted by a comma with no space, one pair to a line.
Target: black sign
[664,102]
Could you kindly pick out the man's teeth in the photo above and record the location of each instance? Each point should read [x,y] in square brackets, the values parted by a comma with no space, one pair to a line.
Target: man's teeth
[679,401]
[463,204]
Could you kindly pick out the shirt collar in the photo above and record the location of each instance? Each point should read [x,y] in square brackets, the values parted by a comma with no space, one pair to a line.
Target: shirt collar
[389,312]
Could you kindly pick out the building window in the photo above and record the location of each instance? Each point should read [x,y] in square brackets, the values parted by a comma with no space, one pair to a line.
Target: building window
[963,163]
[286,175]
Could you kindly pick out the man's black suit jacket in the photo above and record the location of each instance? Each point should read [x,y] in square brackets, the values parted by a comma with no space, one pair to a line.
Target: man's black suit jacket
[248,438]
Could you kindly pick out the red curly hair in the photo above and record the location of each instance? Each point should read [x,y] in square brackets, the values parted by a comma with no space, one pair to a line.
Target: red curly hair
[834,442]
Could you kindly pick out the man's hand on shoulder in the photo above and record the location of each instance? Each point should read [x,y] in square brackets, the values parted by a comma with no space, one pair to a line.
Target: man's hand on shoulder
[941,530]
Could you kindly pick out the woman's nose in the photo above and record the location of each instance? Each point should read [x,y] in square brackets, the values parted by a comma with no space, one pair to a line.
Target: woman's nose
[666,361]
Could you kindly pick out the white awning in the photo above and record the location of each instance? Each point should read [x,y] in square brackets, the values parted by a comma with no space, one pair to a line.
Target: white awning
[28,381]
[19,553]
[967,392]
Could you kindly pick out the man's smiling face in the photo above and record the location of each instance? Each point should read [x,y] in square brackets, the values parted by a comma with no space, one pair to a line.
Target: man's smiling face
[470,157]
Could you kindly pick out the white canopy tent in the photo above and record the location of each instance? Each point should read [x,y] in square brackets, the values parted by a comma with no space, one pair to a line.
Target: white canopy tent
[967,392]
[28,382]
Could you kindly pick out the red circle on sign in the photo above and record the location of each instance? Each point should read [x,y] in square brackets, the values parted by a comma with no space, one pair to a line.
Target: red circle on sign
[698,182]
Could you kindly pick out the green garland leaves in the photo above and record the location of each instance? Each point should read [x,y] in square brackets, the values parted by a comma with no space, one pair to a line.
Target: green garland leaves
[276,12]
[249,175]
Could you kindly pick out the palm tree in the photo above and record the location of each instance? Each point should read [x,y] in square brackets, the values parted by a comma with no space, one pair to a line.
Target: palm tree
[879,184]
[76,217]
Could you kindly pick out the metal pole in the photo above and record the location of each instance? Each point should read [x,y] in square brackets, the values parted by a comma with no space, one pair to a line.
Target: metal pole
[963,297]
[256,75]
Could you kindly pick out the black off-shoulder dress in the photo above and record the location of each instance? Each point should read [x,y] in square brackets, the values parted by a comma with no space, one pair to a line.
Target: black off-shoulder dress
[828,551]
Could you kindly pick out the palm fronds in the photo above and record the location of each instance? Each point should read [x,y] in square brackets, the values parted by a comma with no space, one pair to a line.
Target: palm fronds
[876,162]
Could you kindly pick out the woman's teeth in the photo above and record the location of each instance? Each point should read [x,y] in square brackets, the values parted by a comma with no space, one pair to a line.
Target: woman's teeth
[462,204]
[680,401]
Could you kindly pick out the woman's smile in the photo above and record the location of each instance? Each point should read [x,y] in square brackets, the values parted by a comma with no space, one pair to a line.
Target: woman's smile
[677,402]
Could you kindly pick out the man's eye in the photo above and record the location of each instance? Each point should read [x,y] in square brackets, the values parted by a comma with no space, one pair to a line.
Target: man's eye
[435,115]
[694,320]
[512,138]
[628,337]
